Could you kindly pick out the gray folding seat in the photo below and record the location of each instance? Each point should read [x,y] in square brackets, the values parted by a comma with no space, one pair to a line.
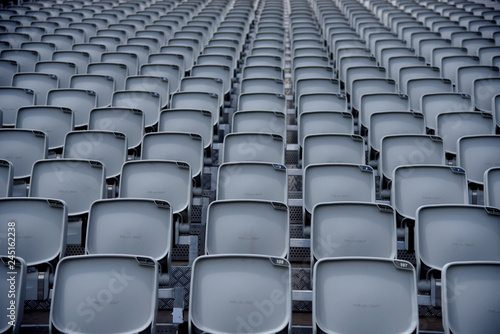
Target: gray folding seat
[39,83]
[418,185]
[252,180]
[80,101]
[491,187]
[453,125]
[103,85]
[484,91]
[15,38]
[168,58]
[481,280]
[321,102]
[408,73]
[450,64]
[487,54]
[156,179]
[396,63]
[152,43]
[353,61]
[109,148]
[362,87]
[466,75]
[128,59]
[113,227]
[333,148]
[155,31]
[259,121]
[186,50]
[6,178]
[332,182]
[11,99]
[451,233]
[135,281]
[362,72]
[434,104]
[265,228]
[309,72]
[262,101]
[9,24]
[80,58]
[26,59]
[171,72]
[7,70]
[34,33]
[272,72]
[409,149]
[45,222]
[204,84]
[56,122]
[315,85]
[117,71]
[94,51]
[276,52]
[61,40]
[147,83]
[89,29]
[61,69]
[109,38]
[260,147]
[418,87]
[396,55]
[197,100]
[61,21]
[339,282]
[216,59]
[175,146]
[148,102]
[264,60]
[219,278]
[189,121]
[44,49]
[384,44]
[7,266]
[324,122]
[341,229]
[476,154]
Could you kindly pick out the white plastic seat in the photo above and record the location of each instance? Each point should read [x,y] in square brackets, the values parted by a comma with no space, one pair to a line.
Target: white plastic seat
[419,87]
[197,100]
[388,288]
[110,148]
[13,98]
[453,125]
[80,58]
[353,229]
[135,281]
[476,154]
[7,324]
[262,101]
[484,91]
[418,185]
[481,280]
[77,182]
[56,122]
[491,187]
[189,121]
[159,179]
[261,147]
[80,101]
[252,180]
[435,103]
[6,178]
[175,146]
[103,85]
[263,228]
[148,102]
[222,278]
[333,148]
[132,226]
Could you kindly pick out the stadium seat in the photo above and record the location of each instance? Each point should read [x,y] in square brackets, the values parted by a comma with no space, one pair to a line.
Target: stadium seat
[80,101]
[434,104]
[262,230]
[476,154]
[6,178]
[484,90]
[103,85]
[491,189]
[11,99]
[117,71]
[244,147]
[197,100]
[39,83]
[148,102]
[61,69]
[8,323]
[81,59]
[333,148]
[189,121]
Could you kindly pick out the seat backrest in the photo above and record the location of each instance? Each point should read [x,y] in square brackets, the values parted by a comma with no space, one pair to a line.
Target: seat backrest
[239,147]
[14,301]
[435,103]
[175,146]
[216,71]
[80,58]
[262,101]
[103,85]
[80,101]
[311,102]
[451,233]
[40,83]
[260,85]
[370,103]
[260,121]
[197,100]
[170,71]
[219,278]
[491,189]
[252,180]
[388,282]
[156,179]
[148,83]
[484,90]
[483,286]
[418,185]
[77,182]
[135,279]
[476,154]
[117,71]
[62,70]
[453,125]
[319,122]
[148,102]
[263,229]
[353,229]
[132,226]
[42,222]
[361,87]
[333,148]
[13,98]
[56,122]
[22,147]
